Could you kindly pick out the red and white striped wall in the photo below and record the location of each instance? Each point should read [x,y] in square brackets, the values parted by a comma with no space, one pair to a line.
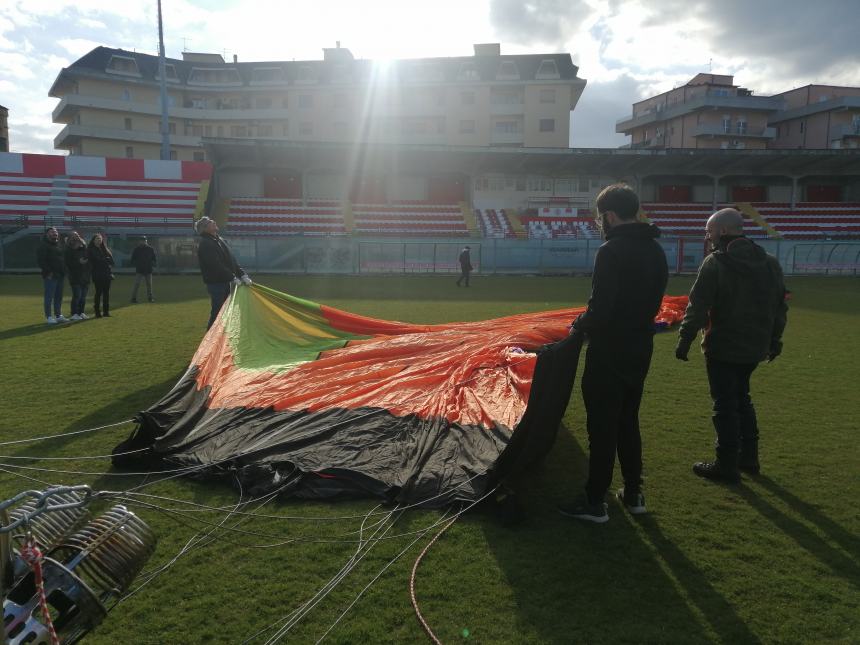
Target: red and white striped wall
[34,165]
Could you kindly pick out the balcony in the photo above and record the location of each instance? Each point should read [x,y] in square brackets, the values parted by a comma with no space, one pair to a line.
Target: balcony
[658,141]
[73,133]
[506,138]
[719,130]
[507,109]
[839,132]
[70,104]
[664,113]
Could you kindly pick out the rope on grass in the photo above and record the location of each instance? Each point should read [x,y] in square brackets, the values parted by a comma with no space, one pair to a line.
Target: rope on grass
[421,555]
[65,434]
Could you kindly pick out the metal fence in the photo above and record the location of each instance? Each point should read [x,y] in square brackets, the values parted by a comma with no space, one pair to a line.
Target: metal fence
[350,255]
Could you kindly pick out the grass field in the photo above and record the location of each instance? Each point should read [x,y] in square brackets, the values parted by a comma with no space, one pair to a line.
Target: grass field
[775,560]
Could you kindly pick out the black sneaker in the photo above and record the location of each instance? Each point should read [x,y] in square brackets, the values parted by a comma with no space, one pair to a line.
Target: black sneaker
[582,509]
[634,503]
[714,471]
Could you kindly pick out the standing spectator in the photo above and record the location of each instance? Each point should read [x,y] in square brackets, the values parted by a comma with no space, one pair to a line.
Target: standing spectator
[78,264]
[217,266]
[629,279]
[465,265]
[143,258]
[49,257]
[101,263]
[739,299]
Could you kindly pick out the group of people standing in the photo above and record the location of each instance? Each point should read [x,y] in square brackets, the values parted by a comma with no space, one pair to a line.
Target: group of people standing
[738,299]
[84,263]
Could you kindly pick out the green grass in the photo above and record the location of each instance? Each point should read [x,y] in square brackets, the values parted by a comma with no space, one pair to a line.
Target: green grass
[776,560]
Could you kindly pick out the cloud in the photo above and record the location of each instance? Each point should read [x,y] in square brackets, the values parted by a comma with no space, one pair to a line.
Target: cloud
[538,21]
[602,103]
[78,46]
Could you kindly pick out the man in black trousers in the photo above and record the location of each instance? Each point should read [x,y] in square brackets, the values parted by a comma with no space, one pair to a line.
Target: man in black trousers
[629,279]
[739,298]
[465,259]
[218,267]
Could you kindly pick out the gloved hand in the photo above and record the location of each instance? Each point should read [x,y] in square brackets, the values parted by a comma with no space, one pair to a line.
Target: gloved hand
[683,349]
[775,350]
[246,280]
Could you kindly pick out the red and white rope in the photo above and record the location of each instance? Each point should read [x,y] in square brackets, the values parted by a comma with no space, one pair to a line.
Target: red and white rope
[33,556]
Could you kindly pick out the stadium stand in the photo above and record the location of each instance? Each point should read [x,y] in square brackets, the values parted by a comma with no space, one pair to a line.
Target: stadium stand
[494,223]
[688,220]
[103,193]
[812,220]
[560,222]
[409,219]
[268,216]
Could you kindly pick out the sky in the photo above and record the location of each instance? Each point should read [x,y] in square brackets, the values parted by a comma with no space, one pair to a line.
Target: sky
[625,49]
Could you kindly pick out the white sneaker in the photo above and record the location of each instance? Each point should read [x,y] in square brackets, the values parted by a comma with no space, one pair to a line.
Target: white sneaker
[62,318]
[51,320]
[76,317]
[84,317]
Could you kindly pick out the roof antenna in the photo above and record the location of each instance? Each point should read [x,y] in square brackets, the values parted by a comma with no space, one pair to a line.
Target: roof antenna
[185,40]
[710,64]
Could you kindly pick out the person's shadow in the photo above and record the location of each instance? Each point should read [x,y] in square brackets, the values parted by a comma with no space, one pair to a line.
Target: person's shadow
[840,564]
[580,582]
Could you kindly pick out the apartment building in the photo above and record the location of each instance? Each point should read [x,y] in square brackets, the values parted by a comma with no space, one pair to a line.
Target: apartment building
[709,111]
[4,129]
[818,116]
[109,101]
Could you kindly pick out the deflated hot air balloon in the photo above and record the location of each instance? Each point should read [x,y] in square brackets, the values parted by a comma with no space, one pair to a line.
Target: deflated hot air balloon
[317,402]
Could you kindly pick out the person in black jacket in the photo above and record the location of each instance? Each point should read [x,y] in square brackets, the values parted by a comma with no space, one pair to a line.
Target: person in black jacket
[78,265]
[218,267]
[144,259]
[739,299]
[101,263]
[629,279]
[465,265]
[49,257]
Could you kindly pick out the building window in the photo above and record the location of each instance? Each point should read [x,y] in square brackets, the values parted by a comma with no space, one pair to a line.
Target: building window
[264,130]
[547,125]
[742,126]
[727,123]
[467,98]
[802,126]
[285,129]
[207,130]
[264,102]
[547,70]
[171,128]
[468,72]
[305,75]
[199,156]
[220,130]
[197,131]
[126,95]
[266,74]
[306,101]
[509,127]
[547,96]
[129,152]
[127,123]
[508,71]
[173,155]
[238,131]
[306,128]
[467,126]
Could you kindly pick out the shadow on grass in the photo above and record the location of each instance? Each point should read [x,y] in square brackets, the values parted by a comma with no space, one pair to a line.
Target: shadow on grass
[623,581]
[840,564]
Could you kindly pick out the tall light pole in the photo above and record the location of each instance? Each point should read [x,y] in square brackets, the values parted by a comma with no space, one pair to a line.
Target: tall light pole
[165,128]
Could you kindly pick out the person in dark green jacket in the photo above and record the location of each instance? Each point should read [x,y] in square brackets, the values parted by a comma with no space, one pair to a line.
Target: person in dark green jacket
[739,300]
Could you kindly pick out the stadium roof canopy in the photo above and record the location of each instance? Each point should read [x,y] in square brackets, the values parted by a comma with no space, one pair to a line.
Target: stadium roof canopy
[262,154]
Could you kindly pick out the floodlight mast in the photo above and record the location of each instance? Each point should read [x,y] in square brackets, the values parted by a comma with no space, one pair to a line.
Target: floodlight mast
[165,128]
